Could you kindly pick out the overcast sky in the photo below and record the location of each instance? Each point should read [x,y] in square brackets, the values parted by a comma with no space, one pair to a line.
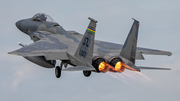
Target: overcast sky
[21,80]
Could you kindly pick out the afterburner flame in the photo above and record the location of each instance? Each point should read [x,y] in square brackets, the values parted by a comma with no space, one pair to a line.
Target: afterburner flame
[104,67]
[120,67]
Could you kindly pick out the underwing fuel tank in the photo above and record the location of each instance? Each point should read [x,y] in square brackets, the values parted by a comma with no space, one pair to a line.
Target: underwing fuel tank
[41,61]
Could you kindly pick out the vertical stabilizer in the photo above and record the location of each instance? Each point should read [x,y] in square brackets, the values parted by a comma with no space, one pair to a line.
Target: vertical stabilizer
[85,49]
[129,48]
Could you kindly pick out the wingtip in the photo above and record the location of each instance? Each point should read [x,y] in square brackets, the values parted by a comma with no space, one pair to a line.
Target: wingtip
[170,53]
[12,53]
[9,52]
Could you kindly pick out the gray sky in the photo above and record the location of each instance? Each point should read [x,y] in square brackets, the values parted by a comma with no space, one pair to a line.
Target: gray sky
[21,80]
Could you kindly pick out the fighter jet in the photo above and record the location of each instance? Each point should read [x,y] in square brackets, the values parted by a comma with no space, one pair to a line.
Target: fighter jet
[82,52]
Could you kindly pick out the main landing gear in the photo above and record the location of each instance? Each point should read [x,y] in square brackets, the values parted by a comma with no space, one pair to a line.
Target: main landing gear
[87,73]
[58,72]
[58,69]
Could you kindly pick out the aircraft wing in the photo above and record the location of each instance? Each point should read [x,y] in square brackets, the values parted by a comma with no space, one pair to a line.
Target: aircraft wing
[49,47]
[115,47]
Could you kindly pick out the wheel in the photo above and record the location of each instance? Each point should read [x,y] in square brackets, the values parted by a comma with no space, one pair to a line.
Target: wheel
[87,73]
[58,72]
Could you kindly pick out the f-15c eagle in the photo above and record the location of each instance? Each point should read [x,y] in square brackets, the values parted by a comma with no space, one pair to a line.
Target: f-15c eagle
[82,52]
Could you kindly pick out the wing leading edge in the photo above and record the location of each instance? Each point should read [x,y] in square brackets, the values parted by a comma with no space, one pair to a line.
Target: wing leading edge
[50,47]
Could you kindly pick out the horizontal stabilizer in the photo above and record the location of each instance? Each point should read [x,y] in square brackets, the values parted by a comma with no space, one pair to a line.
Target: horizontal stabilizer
[154,52]
[139,56]
[79,68]
[154,68]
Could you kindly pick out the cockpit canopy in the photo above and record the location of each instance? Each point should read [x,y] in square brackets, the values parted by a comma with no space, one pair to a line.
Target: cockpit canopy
[42,17]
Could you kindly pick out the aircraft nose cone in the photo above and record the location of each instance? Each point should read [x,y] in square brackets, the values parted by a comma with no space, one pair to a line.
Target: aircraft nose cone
[18,24]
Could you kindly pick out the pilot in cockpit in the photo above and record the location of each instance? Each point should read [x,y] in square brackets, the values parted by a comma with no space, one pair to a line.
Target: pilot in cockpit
[39,17]
[42,17]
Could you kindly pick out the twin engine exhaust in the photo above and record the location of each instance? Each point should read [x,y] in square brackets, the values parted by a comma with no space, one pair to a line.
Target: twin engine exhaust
[115,65]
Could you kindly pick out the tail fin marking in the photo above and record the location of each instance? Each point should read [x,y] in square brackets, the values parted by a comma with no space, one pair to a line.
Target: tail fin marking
[85,49]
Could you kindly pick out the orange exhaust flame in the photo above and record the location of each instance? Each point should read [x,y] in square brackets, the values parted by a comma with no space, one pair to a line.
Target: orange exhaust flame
[120,67]
[104,67]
